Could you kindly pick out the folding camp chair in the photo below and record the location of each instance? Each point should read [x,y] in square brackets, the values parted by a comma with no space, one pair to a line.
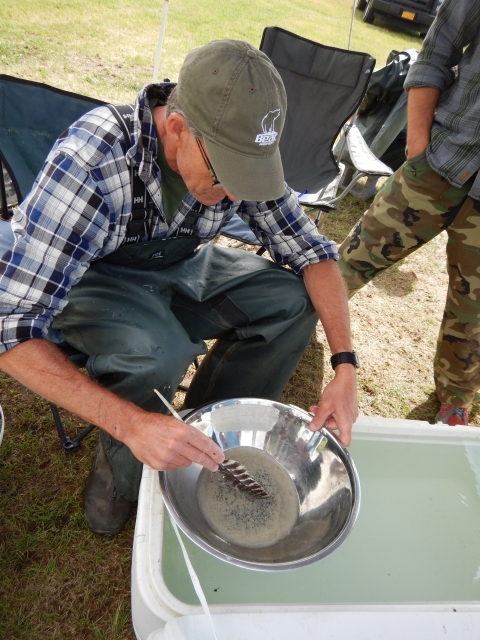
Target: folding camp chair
[32,116]
[325,86]
[381,120]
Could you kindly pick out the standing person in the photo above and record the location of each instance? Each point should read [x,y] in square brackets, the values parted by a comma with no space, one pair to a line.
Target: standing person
[106,259]
[436,189]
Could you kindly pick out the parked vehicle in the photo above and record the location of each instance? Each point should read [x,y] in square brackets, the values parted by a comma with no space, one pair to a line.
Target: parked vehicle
[415,15]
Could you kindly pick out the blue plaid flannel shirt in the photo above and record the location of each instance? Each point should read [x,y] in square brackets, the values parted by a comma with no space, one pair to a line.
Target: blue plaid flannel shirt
[79,206]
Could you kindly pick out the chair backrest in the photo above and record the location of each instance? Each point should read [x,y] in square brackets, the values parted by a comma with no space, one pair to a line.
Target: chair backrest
[382,115]
[324,86]
[32,116]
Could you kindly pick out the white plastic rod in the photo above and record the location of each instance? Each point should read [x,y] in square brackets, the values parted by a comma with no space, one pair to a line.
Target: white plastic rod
[168,405]
[161,35]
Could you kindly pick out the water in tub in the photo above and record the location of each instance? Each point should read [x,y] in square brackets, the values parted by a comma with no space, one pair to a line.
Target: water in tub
[417,538]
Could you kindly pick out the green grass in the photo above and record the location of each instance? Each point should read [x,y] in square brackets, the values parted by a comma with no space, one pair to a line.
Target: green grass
[57,580]
[106,49]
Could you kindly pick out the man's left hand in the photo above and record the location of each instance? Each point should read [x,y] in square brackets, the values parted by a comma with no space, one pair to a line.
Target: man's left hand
[338,408]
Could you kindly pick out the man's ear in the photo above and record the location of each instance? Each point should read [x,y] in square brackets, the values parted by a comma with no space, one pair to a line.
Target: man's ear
[175,126]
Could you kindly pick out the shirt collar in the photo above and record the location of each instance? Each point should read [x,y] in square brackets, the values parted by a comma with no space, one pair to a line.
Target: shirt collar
[144,148]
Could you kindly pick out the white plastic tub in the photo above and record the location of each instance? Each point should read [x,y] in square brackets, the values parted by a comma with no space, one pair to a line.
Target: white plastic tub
[409,569]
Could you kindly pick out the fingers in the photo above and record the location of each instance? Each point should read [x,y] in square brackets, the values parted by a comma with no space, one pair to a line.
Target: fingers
[165,443]
[337,419]
[202,449]
[338,408]
[319,419]
[195,455]
[341,429]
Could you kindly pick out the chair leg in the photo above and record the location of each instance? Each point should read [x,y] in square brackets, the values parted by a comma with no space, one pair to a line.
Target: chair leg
[69,445]
[183,387]
[3,196]
[318,217]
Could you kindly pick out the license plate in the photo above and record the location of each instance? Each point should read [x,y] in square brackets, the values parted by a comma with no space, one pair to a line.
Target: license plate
[408,15]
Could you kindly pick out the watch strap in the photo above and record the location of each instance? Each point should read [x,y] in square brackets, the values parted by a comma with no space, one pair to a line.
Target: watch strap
[345,357]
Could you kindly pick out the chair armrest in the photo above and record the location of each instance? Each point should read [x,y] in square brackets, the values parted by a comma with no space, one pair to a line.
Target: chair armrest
[324,196]
[362,158]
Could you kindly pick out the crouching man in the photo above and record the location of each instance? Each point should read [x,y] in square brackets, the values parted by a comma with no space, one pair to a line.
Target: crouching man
[107,259]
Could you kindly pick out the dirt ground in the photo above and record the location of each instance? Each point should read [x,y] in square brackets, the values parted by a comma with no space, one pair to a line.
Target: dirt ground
[395,322]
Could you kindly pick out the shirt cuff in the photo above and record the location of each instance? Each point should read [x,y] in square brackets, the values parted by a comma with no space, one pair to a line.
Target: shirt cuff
[427,74]
[300,262]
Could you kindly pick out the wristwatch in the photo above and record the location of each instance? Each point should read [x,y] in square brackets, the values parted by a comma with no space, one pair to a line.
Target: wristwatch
[345,357]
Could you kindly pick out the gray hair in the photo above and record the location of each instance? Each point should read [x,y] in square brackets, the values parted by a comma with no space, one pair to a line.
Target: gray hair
[173,106]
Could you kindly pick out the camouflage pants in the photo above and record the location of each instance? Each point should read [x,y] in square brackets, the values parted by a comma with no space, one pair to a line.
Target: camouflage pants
[414,206]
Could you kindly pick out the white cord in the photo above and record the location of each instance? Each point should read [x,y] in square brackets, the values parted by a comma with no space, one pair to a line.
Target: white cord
[2,423]
[194,578]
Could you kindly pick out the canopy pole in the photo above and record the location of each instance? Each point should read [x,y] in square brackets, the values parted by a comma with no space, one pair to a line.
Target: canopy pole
[161,35]
[351,25]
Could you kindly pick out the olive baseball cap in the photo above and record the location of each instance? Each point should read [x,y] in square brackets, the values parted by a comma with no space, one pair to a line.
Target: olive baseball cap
[234,96]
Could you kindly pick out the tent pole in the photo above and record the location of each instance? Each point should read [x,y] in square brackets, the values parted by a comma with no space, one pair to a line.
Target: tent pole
[161,35]
[351,25]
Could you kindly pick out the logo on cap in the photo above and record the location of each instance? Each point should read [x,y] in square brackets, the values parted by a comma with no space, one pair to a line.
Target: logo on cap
[269,134]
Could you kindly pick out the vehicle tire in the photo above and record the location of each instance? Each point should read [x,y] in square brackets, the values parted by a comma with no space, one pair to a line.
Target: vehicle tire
[368,13]
[361,4]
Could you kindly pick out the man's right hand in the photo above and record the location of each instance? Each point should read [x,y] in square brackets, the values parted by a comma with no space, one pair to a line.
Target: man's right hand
[165,443]
[160,441]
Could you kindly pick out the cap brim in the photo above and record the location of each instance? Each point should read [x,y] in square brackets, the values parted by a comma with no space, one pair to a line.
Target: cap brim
[247,178]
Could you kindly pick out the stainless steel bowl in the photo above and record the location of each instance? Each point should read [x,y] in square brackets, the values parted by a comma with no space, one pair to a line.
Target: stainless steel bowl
[322,471]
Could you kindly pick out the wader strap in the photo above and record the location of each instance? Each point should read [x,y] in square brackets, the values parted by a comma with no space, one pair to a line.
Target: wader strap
[154,254]
[144,211]
[123,114]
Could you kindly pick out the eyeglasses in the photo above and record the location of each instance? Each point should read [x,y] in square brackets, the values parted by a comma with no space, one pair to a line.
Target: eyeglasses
[211,170]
